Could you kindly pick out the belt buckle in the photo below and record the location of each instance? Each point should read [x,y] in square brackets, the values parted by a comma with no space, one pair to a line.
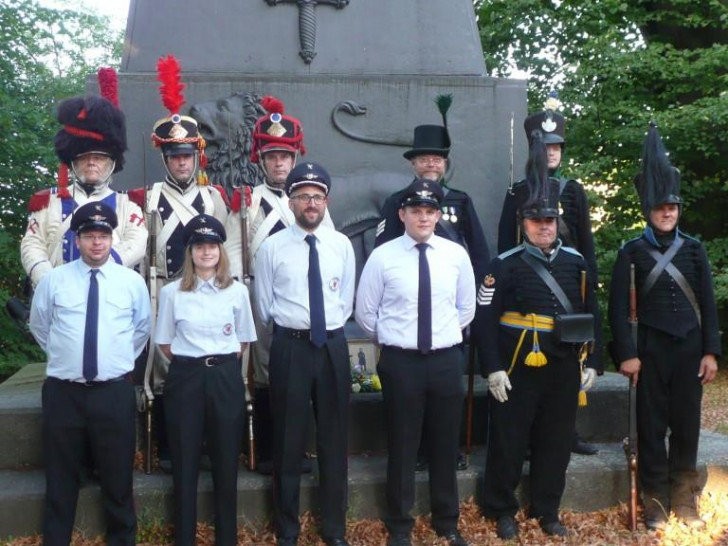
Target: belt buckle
[210,361]
[88,383]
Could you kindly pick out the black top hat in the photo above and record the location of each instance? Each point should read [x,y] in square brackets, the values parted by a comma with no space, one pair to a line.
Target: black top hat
[204,229]
[90,124]
[659,181]
[94,216]
[422,192]
[429,139]
[308,174]
[538,196]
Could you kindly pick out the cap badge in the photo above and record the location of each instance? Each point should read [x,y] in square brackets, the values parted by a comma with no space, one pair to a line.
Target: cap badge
[309,166]
[548,125]
[424,194]
[178,131]
[203,221]
[276,129]
[97,207]
[205,231]
[310,176]
[97,218]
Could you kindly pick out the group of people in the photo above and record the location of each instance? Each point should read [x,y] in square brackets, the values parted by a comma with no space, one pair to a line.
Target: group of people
[273,272]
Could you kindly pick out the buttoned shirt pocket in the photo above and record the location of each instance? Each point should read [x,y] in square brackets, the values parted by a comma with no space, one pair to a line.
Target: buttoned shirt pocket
[120,304]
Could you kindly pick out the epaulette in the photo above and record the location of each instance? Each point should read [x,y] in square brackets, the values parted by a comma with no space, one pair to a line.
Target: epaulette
[137,196]
[39,200]
[235,203]
[634,240]
[510,252]
[570,250]
[223,194]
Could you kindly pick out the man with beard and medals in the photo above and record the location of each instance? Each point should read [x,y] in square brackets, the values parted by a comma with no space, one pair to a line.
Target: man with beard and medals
[459,223]
[678,341]
[170,205]
[277,143]
[91,147]
[574,223]
[535,326]
[304,277]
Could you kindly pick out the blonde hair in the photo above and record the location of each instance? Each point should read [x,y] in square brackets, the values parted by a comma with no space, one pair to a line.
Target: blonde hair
[223,279]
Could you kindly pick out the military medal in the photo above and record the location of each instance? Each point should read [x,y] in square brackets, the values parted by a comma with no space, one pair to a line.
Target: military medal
[445,214]
[453,216]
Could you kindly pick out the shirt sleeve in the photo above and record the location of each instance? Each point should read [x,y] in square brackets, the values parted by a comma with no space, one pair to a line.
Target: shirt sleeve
[264,280]
[477,245]
[348,281]
[465,298]
[40,313]
[244,326]
[165,330]
[369,296]
[486,325]
[142,316]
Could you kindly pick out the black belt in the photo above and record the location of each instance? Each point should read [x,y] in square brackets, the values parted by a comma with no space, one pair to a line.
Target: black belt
[304,334]
[208,360]
[94,383]
[417,352]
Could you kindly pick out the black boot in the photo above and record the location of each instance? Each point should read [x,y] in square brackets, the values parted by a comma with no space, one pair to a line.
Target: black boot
[580,447]
[684,493]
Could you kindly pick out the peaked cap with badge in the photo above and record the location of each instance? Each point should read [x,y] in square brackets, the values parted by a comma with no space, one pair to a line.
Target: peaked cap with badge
[308,174]
[177,134]
[95,215]
[204,229]
[422,192]
[550,122]
[276,131]
[658,182]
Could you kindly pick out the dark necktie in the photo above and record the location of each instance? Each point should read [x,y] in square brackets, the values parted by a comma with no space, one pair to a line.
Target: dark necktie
[315,295]
[91,334]
[424,303]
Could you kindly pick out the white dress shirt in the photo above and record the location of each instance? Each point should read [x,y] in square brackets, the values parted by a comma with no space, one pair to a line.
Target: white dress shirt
[386,303]
[58,319]
[281,277]
[205,321]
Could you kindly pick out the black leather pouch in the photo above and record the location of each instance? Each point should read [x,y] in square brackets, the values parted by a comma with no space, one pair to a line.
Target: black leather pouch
[574,328]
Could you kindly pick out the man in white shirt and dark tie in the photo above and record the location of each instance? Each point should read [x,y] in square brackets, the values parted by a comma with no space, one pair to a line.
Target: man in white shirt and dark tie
[416,294]
[91,317]
[304,278]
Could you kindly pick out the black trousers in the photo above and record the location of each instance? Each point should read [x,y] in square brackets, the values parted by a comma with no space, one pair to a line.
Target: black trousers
[421,389]
[301,374]
[104,416]
[203,402]
[669,395]
[540,412]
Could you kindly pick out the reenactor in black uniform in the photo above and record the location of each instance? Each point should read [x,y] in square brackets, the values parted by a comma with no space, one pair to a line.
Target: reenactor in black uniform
[574,222]
[535,296]
[677,345]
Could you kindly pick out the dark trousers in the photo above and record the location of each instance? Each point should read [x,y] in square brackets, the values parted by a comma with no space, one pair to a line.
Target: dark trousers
[104,416]
[669,394]
[301,374]
[204,402]
[263,425]
[540,412]
[421,389]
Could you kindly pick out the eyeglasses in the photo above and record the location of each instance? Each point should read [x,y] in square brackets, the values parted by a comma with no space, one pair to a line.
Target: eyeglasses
[430,159]
[309,197]
[95,238]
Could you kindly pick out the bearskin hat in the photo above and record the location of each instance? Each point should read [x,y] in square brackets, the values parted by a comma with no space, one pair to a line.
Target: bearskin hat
[659,181]
[538,196]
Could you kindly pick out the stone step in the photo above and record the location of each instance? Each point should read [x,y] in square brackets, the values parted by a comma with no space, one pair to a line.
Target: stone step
[604,419]
[592,483]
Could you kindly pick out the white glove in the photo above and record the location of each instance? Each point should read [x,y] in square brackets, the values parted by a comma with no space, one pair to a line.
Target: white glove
[588,377]
[499,384]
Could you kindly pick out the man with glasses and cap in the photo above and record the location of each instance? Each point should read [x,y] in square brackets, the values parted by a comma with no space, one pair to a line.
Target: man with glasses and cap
[535,324]
[678,340]
[416,294]
[277,144]
[92,318]
[304,277]
[574,223]
[90,145]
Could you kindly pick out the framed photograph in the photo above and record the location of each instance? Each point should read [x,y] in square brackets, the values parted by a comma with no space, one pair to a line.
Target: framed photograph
[363,356]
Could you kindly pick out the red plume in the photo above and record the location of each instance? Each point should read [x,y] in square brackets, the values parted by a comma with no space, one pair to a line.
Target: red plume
[272,105]
[168,72]
[109,85]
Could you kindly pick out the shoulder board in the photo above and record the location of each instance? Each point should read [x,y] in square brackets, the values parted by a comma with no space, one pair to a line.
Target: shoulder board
[39,200]
[235,201]
[137,196]
[631,241]
[511,252]
[223,194]
[573,251]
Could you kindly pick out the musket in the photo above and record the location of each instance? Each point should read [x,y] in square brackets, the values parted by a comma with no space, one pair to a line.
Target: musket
[471,388]
[630,443]
[249,376]
[511,176]
[152,285]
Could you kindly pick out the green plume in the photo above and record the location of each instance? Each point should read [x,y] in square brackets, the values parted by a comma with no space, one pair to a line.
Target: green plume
[443,105]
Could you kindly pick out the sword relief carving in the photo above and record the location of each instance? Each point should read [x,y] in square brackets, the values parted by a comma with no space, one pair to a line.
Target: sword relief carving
[307,22]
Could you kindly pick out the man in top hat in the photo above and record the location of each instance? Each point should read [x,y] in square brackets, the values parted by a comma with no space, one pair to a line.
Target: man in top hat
[534,377]
[277,143]
[170,205]
[678,340]
[304,277]
[574,222]
[403,282]
[90,145]
[91,317]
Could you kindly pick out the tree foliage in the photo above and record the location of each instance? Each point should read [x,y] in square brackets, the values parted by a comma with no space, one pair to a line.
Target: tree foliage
[45,55]
[618,64]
